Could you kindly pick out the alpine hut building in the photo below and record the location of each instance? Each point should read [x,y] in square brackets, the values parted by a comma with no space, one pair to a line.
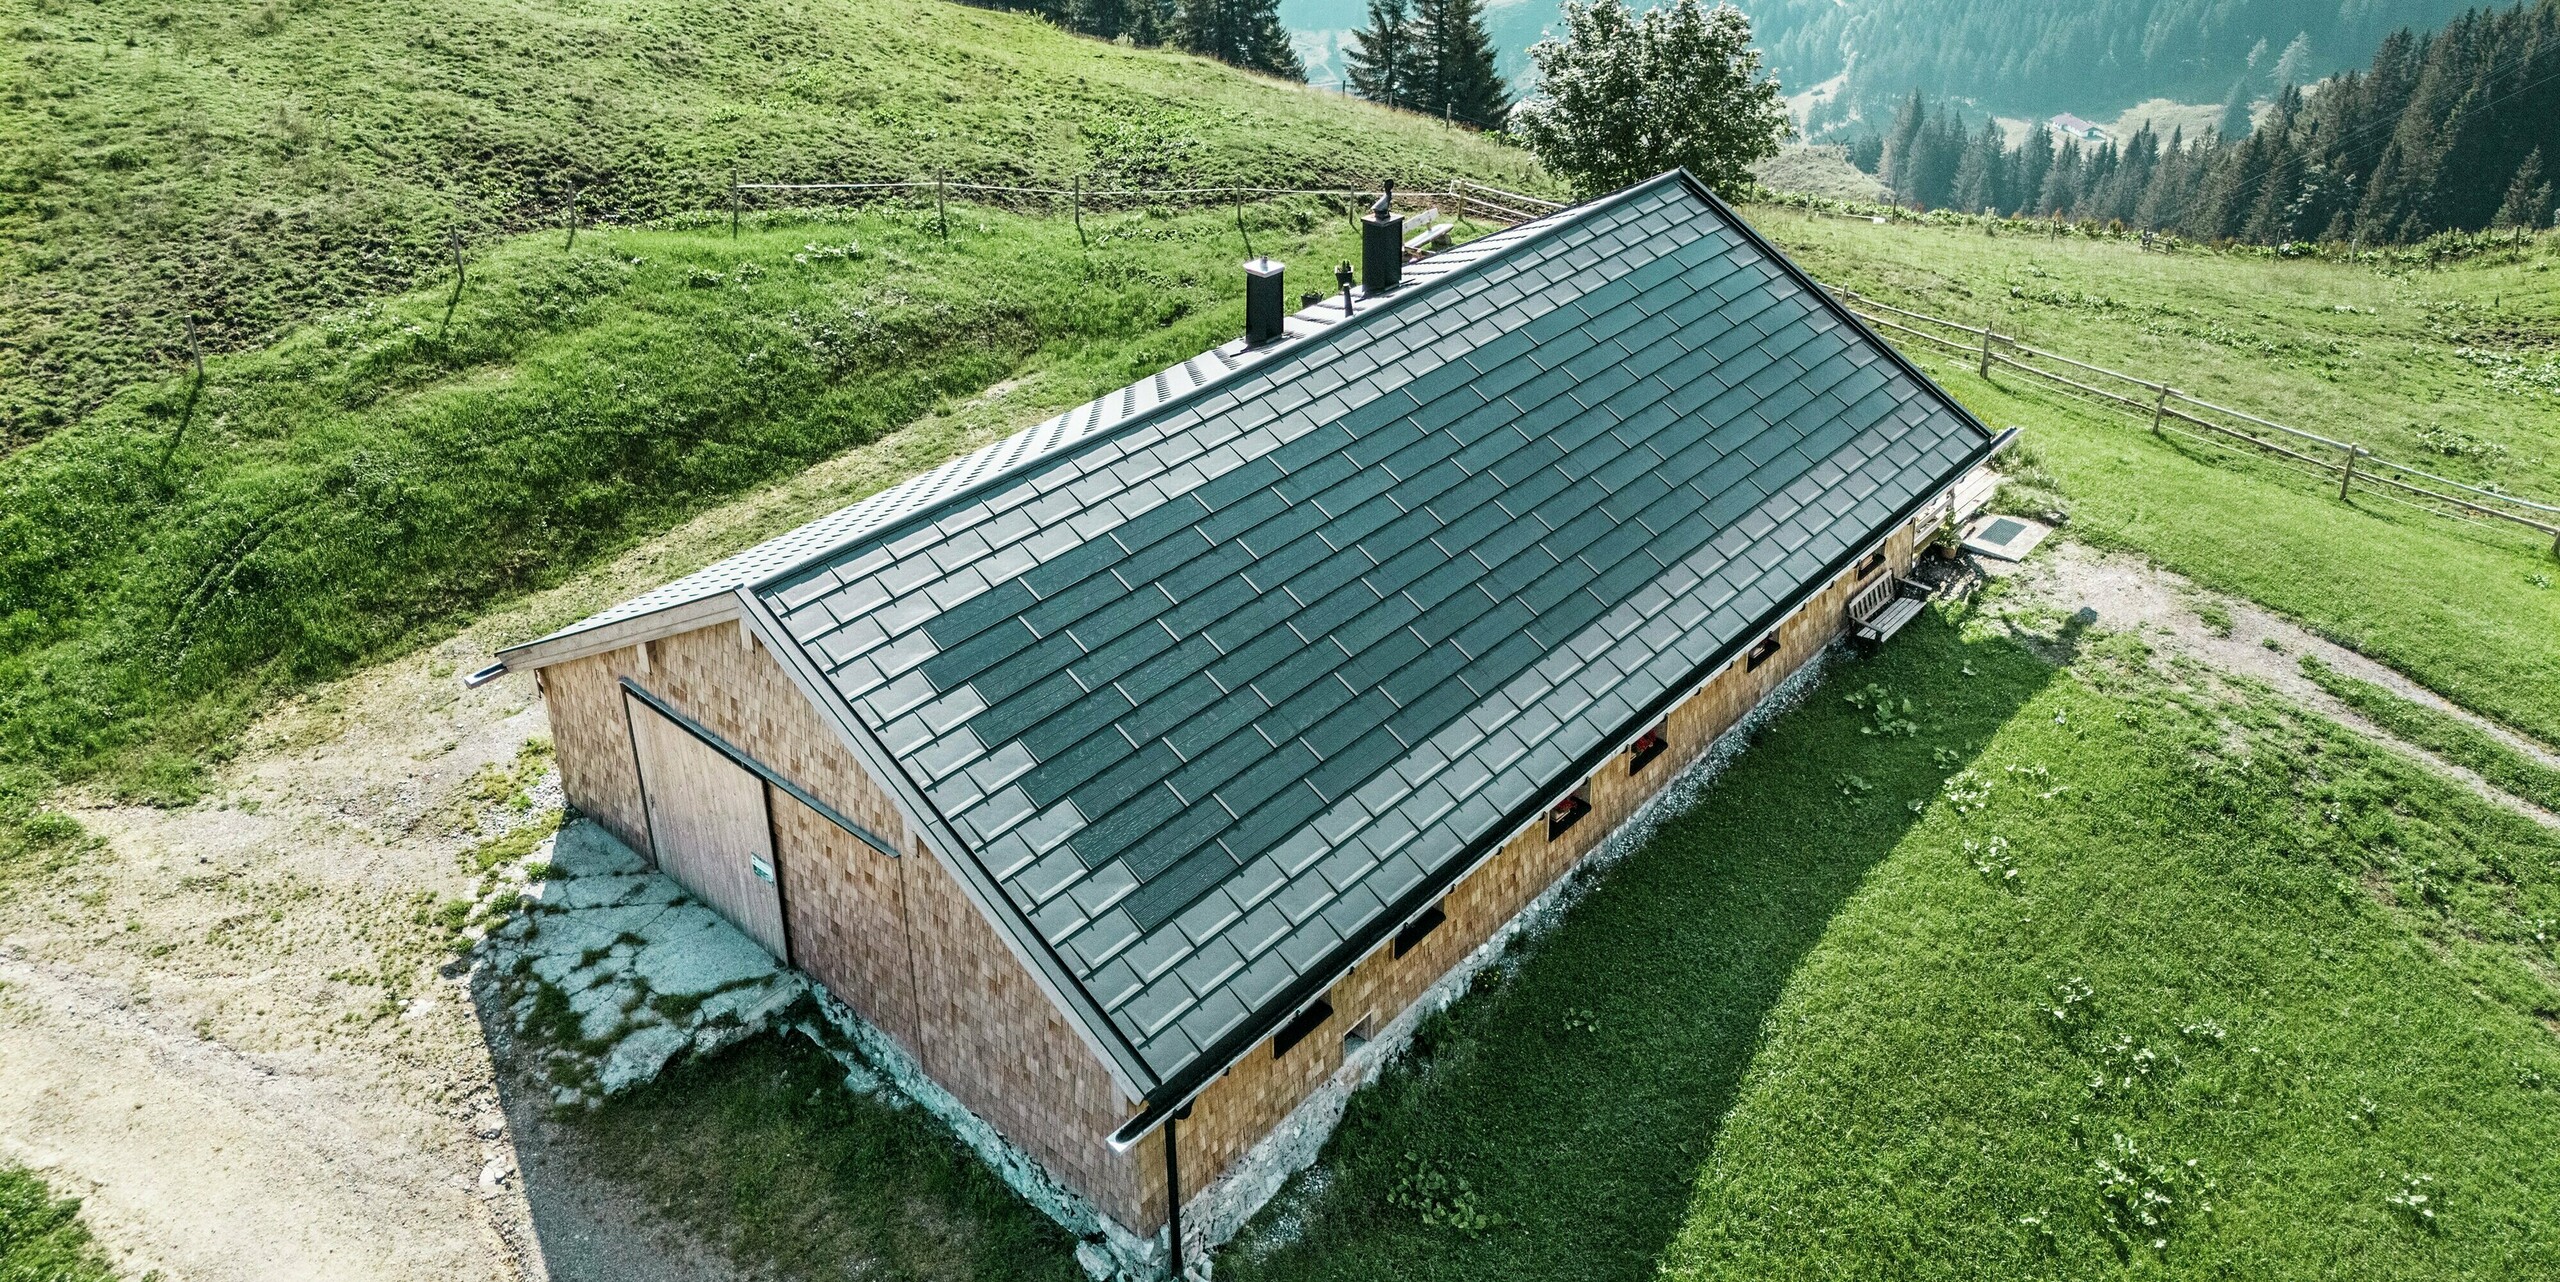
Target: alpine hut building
[1131,776]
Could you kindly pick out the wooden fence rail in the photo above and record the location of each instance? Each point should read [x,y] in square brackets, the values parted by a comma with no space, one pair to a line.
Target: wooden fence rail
[2350,463]
[1486,204]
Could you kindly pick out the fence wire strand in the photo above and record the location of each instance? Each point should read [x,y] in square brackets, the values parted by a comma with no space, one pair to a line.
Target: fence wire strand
[2164,403]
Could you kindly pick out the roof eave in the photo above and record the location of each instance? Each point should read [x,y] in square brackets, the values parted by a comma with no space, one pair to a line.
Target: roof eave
[1183,1085]
[579,643]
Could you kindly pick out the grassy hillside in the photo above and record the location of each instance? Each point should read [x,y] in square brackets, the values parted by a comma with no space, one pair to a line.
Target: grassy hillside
[2454,369]
[366,480]
[2054,953]
[257,164]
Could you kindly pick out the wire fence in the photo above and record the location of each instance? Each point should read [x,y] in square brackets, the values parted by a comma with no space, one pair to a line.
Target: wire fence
[2177,413]
[1466,199]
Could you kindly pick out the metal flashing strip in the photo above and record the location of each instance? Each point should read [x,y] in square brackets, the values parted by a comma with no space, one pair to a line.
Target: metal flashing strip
[762,771]
[1182,1088]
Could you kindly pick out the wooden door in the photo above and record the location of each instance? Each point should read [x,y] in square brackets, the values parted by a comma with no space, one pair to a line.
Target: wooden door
[708,825]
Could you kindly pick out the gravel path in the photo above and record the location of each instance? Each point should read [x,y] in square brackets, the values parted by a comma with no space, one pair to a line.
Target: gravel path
[2124,593]
[229,1031]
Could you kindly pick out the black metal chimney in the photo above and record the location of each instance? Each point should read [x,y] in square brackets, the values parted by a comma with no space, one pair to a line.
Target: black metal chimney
[1382,246]
[1264,302]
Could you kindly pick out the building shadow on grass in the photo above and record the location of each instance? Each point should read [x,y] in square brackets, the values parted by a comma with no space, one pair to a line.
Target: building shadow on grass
[1552,1123]
[761,1160]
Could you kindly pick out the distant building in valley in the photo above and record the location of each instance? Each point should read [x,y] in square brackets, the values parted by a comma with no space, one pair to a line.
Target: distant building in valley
[2071,126]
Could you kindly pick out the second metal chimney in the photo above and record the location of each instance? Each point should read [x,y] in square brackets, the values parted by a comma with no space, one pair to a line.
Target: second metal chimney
[1265,303]
[1382,246]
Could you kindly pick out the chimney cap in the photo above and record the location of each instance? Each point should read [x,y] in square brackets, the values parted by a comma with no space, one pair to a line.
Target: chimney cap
[1386,201]
[1263,266]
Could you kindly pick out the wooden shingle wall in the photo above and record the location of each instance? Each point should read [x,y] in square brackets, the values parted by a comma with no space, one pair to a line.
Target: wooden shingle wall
[900,941]
[1242,1106]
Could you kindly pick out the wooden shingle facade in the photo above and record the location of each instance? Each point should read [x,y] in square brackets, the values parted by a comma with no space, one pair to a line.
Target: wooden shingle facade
[1126,771]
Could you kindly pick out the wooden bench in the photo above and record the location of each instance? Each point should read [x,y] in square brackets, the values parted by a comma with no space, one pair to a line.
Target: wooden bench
[1881,608]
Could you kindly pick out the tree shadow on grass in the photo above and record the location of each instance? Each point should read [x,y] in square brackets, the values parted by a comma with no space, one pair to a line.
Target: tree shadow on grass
[1551,1124]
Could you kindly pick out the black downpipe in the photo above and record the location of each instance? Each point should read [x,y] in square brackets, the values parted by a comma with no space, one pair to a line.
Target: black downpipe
[1173,1193]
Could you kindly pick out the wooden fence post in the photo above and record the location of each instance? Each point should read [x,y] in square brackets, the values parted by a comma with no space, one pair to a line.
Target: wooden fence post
[941,220]
[2347,472]
[734,195]
[573,215]
[1985,369]
[2159,409]
[453,239]
[1080,239]
[195,352]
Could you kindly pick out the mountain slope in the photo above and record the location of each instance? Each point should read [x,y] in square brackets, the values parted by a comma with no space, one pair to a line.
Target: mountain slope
[2093,58]
[254,165]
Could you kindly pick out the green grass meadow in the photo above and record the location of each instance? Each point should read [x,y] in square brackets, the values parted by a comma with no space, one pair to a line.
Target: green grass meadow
[260,164]
[2013,952]
[2455,369]
[41,1236]
[765,1153]
[2058,972]
[383,473]
[2444,735]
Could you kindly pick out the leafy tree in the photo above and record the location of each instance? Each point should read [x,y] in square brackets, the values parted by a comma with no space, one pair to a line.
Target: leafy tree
[1243,33]
[1380,57]
[1621,98]
[1457,76]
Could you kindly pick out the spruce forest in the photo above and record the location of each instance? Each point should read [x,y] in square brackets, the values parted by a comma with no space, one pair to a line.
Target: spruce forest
[1240,33]
[2452,131]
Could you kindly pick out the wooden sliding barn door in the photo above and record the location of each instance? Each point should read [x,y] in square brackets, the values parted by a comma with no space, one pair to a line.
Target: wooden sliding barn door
[709,824]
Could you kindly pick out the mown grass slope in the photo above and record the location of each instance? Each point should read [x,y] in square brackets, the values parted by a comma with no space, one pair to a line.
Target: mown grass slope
[256,164]
[2455,369]
[2035,972]
[382,472]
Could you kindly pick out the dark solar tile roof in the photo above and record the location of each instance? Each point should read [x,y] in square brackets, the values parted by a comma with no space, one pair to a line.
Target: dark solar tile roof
[1211,691]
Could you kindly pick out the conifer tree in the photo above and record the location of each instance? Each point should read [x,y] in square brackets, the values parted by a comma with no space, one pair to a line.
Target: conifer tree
[1981,175]
[1242,33]
[2528,199]
[1457,80]
[1380,59]
[1897,169]
[2034,160]
[2295,62]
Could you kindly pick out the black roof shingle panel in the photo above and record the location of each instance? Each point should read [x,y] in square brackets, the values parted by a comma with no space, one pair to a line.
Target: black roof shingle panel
[1214,694]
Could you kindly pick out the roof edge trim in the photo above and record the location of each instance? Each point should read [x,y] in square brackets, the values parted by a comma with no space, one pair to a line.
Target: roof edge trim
[666,621]
[1129,1071]
[1181,1088]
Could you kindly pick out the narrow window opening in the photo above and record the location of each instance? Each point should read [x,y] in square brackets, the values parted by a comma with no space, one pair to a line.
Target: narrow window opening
[1868,567]
[1653,744]
[1361,1034]
[1761,653]
[1568,812]
[1296,1030]
[1419,929]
